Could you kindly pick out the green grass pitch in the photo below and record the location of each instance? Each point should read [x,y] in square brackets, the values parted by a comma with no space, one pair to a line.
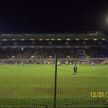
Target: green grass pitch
[33,85]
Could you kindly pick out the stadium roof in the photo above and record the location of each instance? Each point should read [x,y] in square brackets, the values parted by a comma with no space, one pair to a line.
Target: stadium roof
[54,36]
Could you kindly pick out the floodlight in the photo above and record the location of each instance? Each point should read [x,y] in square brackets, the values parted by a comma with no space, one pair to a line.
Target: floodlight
[103,39]
[95,39]
[13,39]
[59,39]
[22,39]
[31,39]
[68,39]
[77,39]
[47,39]
[4,39]
[52,39]
[40,39]
[85,39]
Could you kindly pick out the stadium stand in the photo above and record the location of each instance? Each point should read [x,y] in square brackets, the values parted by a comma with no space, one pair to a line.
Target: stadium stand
[42,46]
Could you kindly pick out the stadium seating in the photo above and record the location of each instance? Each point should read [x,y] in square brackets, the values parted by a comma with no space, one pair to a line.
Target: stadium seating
[42,53]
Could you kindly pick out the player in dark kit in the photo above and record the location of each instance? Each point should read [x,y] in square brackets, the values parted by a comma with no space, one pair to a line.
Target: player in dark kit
[93,64]
[75,70]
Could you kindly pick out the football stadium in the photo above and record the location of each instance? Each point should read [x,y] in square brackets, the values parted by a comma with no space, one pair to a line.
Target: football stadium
[55,70]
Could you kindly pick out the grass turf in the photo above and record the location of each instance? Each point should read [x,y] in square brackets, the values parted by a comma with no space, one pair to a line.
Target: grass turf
[33,85]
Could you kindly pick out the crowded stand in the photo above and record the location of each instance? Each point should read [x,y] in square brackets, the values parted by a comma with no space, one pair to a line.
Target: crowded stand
[42,50]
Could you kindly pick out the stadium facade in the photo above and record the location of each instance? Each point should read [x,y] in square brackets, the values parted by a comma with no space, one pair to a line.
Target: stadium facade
[83,47]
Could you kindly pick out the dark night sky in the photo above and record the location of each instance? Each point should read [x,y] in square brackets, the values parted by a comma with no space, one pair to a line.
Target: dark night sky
[53,16]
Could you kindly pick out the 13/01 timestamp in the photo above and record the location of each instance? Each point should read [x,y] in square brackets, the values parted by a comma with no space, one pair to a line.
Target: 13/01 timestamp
[99,94]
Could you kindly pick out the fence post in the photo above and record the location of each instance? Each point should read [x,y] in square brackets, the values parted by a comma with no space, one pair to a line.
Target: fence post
[55,81]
